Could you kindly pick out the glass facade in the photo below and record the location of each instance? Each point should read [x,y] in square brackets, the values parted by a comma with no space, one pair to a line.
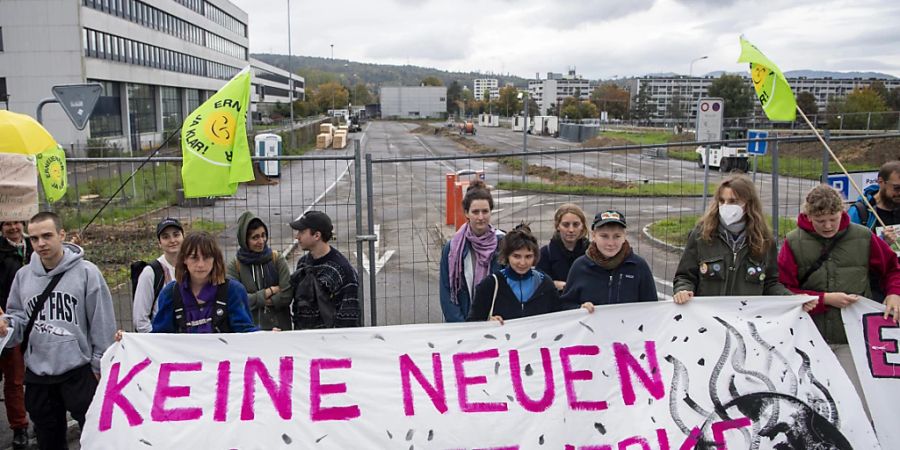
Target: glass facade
[171,107]
[107,117]
[193,99]
[141,108]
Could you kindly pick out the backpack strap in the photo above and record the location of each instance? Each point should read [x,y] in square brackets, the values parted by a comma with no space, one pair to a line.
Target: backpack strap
[178,310]
[220,321]
[863,212]
[826,250]
[38,306]
[159,280]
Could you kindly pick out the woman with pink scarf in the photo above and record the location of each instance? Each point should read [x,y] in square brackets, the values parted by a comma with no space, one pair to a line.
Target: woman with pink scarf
[470,256]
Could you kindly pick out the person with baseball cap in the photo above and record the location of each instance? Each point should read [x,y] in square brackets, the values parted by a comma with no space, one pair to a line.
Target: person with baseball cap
[609,272]
[325,283]
[169,235]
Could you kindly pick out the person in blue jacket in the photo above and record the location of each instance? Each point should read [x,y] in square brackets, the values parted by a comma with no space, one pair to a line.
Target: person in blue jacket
[885,198]
[609,272]
[470,256]
[201,299]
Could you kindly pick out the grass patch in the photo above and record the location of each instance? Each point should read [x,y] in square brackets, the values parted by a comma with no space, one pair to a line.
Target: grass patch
[679,189]
[675,231]
[643,137]
[153,187]
[793,166]
[209,226]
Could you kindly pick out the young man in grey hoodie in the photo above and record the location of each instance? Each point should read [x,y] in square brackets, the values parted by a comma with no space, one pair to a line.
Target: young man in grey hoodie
[71,331]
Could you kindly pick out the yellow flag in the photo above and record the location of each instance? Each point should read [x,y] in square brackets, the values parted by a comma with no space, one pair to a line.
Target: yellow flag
[214,142]
[772,89]
[51,165]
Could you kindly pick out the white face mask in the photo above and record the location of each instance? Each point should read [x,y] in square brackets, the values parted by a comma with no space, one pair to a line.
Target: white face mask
[731,213]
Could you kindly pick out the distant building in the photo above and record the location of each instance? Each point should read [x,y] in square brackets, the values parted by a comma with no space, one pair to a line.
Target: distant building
[550,92]
[414,102]
[156,60]
[492,85]
[270,87]
[667,93]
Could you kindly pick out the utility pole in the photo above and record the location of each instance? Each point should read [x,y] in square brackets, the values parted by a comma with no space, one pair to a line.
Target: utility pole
[291,82]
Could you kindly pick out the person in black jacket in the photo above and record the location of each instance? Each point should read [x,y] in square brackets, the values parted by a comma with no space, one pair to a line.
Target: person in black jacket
[610,272]
[568,243]
[518,290]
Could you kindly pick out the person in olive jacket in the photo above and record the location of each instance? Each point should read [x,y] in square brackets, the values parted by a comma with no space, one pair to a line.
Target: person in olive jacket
[731,251]
[264,274]
[609,272]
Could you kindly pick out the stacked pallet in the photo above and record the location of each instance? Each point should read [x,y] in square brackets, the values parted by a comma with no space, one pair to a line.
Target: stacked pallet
[325,137]
[340,140]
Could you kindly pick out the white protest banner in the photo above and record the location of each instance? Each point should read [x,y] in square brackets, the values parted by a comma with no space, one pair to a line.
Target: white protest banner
[873,343]
[739,372]
[18,187]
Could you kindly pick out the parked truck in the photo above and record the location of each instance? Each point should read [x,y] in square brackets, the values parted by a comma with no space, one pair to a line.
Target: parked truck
[726,158]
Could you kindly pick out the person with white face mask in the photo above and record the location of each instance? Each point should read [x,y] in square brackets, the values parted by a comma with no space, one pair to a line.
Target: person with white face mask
[731,251]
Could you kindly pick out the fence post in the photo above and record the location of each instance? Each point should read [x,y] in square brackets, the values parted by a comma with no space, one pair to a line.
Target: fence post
[825,157]
[370,213]
[775,190]
[357,191]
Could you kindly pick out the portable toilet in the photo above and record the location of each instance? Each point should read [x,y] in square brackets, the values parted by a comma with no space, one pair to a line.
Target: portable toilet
[268,145]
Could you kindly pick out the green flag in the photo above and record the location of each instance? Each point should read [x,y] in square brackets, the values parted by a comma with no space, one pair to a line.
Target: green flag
[772,89]
[51,165]
[214,142]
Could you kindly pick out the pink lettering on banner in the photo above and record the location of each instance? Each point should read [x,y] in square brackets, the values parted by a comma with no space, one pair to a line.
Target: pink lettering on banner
[570,376]
[878,348]
[112,396]
[634,441]
[662,438]
[435,390]
[589,447]
[317,390]
[463,382]
[626,362]
[719,429]
[280,394]
[165,390]
[546,399]
[222,383]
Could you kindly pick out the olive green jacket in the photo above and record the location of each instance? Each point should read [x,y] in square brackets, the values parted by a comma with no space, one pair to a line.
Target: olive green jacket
[711,268]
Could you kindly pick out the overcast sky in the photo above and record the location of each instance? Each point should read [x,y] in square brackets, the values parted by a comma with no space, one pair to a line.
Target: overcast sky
[600,38]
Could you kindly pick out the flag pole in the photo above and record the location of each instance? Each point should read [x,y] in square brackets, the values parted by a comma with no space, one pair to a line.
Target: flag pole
[843,169]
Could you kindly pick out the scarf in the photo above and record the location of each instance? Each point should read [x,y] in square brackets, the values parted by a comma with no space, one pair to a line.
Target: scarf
[483,246]
[609,263]
[733,236]
[194,312]
[265,261]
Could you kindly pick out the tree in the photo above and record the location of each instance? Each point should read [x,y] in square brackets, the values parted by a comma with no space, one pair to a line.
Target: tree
[881,90]
[432,80]
[509,102]
[806,101]
[612,99]
[858,105]
[674,111]
[642,105]
[574,109]
[893,99]
[331,95]
[361,95]
[737,92]
[454,95]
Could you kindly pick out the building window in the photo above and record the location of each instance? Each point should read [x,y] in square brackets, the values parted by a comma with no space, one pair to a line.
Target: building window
[141,108]
[107,117]
[1,39]
[171,107]
[193,99]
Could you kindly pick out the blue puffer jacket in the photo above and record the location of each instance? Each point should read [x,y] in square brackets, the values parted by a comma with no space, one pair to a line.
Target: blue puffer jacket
[860,206]
[631,282]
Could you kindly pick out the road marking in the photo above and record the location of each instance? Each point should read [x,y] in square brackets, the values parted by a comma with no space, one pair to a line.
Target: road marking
[665,282]
[293,245]
[428,149]
[381,260]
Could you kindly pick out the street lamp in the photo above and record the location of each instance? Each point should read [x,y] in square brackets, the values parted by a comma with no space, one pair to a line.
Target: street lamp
[291,76]
[691,69]
[690,87]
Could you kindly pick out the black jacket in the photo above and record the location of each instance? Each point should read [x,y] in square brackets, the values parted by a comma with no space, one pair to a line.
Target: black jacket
[556,260]
[10,263]
[545,299]
[631,282]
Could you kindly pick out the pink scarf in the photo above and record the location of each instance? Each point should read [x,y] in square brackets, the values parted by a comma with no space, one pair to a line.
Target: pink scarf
[484,247]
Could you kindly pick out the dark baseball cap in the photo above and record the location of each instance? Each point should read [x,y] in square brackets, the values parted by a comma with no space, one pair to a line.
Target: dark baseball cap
[609,216]
[313,220]
[166,223]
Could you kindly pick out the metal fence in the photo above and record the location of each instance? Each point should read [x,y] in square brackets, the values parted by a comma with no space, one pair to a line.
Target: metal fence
[390,210]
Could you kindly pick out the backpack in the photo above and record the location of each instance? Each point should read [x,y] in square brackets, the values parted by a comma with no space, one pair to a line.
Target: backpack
[863,212]
[311,297]
[220,321]
[159,278]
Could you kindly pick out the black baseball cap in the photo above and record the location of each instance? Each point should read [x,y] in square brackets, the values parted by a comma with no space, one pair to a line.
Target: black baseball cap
[313,220]
[609,216]
[166,223]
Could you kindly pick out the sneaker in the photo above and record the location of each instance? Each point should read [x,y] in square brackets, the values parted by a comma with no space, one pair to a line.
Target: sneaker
[20,439]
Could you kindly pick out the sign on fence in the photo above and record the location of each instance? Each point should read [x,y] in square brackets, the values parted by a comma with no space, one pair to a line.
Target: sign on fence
[842,183]
[18,187]
[710,112]
[728,371]
[756,146]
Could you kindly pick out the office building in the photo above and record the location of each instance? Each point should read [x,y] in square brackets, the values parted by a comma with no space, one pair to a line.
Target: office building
[551,91]
[414,102]
[491,85]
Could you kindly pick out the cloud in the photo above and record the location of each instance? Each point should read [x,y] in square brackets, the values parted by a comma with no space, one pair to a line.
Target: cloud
[433,48]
